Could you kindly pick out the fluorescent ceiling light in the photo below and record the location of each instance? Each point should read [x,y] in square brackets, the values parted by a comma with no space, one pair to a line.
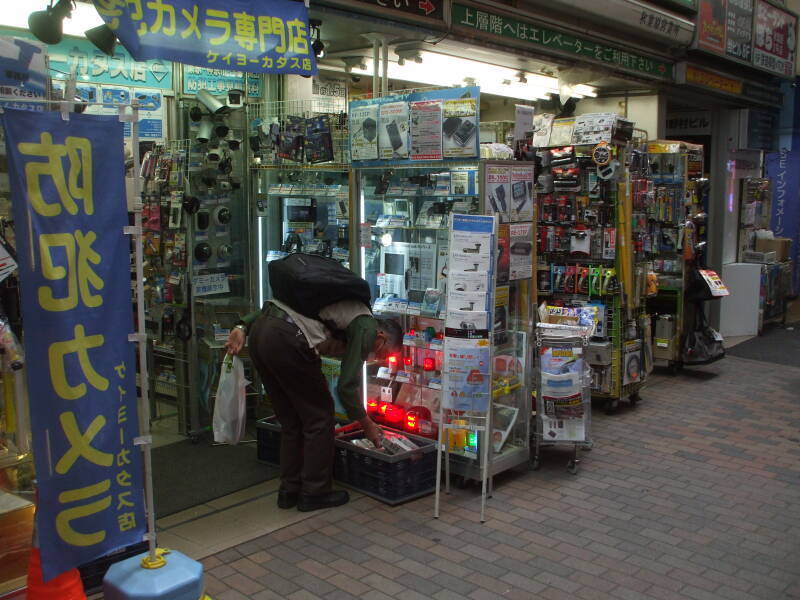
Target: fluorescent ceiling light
[444,70]
[84,16]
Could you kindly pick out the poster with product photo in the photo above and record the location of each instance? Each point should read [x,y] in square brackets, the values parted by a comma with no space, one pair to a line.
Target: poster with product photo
[521,251]
[592,128]
[498,191]
[426,130]
[364,132]
[522,193]
[393,130]
[460,128]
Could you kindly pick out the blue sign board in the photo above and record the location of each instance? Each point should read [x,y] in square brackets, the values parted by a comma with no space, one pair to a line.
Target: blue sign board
[80,56]
[243,35]
[67,188]
[219,81]
[781,168]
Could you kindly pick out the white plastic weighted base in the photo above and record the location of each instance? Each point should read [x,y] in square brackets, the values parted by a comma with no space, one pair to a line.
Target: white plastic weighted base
[181,578]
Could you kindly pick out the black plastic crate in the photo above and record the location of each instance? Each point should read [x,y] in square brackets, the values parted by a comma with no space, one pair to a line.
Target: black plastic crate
[389,478]
[268,438]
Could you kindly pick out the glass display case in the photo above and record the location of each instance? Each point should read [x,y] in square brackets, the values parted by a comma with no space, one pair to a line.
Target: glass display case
[405,214]
[300,210]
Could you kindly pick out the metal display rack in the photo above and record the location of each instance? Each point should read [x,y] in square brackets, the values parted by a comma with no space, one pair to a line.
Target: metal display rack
[563,412]
[577,203]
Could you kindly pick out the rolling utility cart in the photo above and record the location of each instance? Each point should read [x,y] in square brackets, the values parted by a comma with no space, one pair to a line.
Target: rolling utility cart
[563,391]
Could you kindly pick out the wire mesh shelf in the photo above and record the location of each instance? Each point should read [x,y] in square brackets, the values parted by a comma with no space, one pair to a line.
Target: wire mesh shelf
[270,124]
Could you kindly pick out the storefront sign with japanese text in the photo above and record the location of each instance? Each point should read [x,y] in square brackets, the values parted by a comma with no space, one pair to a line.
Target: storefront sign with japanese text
[246,35]
[711,26]
[68,194]
[739,30]
[219,81]
[88,63]
[711,80]
[23,75]
[776,39]
[781,169]
[537,36]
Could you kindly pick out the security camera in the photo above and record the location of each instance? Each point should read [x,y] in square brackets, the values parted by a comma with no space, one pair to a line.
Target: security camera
[205,131]
[212,103]
[235,98]
[355,78]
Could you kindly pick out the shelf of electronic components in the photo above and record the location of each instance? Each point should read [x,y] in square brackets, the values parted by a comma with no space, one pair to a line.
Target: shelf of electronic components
[403,313]
[407,227]
[406,377]
[416,194]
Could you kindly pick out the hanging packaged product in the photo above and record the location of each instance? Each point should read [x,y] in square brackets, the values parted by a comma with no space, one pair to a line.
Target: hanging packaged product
[426,130]
[522,193]
[542,127]
[498,191]
[460,127]
[318,141]
[609,243]
[291,140]
[364,132]
[393,130]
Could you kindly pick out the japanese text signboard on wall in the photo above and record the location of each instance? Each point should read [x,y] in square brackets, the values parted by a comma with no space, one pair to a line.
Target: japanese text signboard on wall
[68,194]
[753,32]
[430,9]
[776,39]
[243,35]
[88,63]
[539,37]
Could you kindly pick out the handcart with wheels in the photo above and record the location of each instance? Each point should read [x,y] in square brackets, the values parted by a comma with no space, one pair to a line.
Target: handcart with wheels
[563,391]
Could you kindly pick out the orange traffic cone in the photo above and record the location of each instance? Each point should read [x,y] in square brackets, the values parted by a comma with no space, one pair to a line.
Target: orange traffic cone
[67,586]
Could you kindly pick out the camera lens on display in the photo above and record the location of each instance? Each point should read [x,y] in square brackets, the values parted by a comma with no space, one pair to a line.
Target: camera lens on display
[222,215]
[202,252]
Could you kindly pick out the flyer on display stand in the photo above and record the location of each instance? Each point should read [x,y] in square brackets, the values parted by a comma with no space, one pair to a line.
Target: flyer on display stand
[521,250]
[467,301]
[364,132]
[393,130]
[592,128]
[522,193]
[542,127]
[498,191]
[460,127]
[426,130]
[466,382]
[469,282]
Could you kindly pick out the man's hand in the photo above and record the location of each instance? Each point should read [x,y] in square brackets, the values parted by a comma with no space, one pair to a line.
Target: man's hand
[235,341]
[371,431]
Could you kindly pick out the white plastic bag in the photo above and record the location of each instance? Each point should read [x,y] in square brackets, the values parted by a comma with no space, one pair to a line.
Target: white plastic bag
[229,408]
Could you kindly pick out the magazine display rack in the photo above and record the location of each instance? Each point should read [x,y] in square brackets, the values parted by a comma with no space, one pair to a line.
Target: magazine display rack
[563,390]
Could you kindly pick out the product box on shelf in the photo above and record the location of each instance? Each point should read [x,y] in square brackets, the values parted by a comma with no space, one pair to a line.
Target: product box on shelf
[780,246]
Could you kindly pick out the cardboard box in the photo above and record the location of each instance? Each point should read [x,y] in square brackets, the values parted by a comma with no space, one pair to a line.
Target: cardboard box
[780,246]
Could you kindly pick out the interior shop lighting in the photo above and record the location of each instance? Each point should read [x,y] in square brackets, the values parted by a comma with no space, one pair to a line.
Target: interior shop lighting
[83,15]
[48,24]
[432,68]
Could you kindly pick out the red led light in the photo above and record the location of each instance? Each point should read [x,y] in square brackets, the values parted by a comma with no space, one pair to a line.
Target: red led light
[393,415]
[412,332]
[411,422]
[429,364]
[372,405]
[393,359]
[409,361]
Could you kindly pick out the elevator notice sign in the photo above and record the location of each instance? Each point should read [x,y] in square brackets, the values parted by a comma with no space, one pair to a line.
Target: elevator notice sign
[493,25]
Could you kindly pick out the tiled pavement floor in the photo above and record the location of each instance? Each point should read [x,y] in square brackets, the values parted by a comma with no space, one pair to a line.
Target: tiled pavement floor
[695,493]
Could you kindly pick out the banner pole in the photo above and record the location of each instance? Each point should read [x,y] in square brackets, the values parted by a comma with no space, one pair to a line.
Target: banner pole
[144,405]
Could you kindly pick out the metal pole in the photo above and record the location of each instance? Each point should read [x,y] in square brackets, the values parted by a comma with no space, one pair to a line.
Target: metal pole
[385,66]
[144,406]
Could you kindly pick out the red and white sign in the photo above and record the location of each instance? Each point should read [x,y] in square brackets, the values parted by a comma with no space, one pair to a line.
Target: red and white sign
[715,283]
[776,39]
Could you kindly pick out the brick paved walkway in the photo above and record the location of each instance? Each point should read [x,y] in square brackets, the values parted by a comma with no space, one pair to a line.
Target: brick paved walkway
[695,494]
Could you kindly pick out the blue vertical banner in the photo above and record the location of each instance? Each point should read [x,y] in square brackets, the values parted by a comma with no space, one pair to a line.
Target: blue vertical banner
[244,35]
[68,195]
[781,168]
